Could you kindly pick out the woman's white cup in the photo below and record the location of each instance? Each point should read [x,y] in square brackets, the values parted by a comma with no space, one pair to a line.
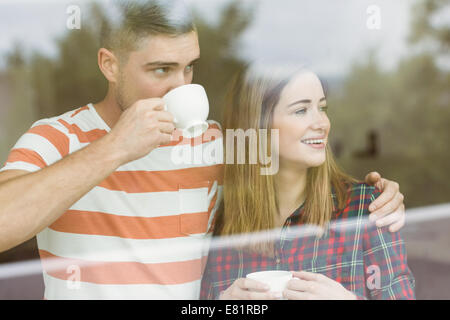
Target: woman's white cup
[276,280]
[190,107]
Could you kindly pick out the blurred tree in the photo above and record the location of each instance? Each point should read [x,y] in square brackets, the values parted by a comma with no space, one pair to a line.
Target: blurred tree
[20,114]
[219,59]
[418,94]
[427,23]
[73,78]
[42,80]
[360,105]
[410,109]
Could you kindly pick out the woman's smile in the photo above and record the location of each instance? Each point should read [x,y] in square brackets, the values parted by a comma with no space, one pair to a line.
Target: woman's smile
[316,143]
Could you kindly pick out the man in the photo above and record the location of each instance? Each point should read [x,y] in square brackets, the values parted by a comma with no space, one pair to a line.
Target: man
[97,184]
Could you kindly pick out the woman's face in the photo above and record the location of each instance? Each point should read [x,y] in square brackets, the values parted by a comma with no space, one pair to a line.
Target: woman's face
[303,124]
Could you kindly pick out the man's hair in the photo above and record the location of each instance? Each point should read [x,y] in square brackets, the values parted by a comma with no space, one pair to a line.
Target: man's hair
[133,21]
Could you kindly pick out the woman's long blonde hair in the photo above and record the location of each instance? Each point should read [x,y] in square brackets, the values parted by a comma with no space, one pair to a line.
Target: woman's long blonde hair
[250,204]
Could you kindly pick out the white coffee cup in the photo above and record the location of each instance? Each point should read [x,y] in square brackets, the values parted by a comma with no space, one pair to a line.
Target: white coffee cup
[276,280]
[190,107]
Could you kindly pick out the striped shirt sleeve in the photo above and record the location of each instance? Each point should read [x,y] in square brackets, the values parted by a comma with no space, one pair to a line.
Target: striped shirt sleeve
[388,276]
[46,142]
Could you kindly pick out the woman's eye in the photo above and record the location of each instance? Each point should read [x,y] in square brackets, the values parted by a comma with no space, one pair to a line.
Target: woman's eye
[324,108]
[301,111]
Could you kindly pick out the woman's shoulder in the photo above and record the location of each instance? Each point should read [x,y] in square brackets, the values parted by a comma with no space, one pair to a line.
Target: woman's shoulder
[359,196]
[362,189]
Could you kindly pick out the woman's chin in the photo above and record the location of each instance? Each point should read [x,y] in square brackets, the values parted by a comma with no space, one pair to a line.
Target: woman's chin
[304,164]
[314,163]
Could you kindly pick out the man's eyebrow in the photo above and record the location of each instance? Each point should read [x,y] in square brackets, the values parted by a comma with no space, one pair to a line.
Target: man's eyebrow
[304,101]
[167,63]
[161,63]
[195,61]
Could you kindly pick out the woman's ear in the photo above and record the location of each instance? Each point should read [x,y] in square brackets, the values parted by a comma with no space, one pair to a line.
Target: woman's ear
[108,64]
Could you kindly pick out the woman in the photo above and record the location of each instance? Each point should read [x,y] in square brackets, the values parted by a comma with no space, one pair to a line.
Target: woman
[351,258]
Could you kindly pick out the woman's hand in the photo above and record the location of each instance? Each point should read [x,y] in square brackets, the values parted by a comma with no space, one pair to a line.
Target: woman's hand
[388,209]
[315,286]
[249,289]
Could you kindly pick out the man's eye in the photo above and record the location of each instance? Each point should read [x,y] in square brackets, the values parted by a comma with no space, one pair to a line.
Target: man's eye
[324,108]
[189,68]
[161,71]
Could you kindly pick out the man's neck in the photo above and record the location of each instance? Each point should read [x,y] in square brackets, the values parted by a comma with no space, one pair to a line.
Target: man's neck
[108,110]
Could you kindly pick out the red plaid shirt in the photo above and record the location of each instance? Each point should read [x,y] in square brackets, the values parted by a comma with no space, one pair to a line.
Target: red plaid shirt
[352,251]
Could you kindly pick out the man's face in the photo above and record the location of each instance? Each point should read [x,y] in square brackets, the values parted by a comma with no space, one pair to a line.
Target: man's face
[161,64]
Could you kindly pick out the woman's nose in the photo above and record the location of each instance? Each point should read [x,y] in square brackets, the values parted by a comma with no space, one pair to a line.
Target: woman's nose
[320,122]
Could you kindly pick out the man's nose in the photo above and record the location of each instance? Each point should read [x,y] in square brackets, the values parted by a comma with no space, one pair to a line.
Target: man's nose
[179,80]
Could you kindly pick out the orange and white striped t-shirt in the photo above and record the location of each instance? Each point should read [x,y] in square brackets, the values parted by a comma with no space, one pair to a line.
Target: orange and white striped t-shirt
[142,232]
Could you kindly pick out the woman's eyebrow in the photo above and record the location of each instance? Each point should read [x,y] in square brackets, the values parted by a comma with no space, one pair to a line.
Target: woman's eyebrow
[299,101]
[304,101]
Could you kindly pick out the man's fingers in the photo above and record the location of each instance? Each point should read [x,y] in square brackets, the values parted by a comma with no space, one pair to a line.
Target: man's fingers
[165,139]
[389,207]
[166,127]
[398,225]
[372,178]
[165,116]
[382,212]
[395,220]
[389,219]
[391,189]
[156,104]
[159,107]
